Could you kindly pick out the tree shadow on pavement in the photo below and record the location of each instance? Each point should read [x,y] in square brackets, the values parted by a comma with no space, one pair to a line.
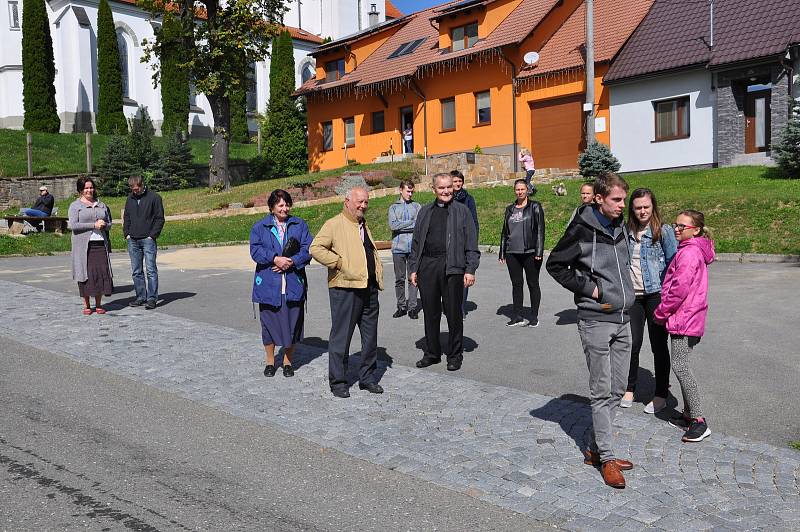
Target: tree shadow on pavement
[567,317]
[573,415]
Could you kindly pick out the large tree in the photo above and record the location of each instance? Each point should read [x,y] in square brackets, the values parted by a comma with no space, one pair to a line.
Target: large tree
[220,40]
[285,139]
[38,70]
[173,77]
[110,118]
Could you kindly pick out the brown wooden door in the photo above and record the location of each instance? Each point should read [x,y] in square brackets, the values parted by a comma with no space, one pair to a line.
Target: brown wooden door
[557,132]
[757,121]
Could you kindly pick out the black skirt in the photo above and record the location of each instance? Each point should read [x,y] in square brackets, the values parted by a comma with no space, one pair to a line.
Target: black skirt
[98,276]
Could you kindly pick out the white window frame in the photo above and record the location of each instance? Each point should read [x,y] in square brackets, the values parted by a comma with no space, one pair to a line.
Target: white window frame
[13,15]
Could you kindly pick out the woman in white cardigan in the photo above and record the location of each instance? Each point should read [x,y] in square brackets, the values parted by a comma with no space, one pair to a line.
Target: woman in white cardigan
[90,222]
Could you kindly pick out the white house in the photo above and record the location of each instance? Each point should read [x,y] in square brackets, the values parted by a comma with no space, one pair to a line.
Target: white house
[73,27]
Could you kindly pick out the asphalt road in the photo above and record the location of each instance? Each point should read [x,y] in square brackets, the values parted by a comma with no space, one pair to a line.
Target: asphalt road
[748,363]
[84,448]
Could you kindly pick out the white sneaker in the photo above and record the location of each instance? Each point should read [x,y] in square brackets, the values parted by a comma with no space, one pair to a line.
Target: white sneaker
[651,408]
[626,403]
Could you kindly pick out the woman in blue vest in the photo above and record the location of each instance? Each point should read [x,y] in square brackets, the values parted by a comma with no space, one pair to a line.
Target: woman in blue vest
[279,245]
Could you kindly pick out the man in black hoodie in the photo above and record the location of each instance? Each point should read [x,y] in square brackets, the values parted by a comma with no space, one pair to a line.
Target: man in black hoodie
[142,223]
[461,195]
[43,206]
[591,260]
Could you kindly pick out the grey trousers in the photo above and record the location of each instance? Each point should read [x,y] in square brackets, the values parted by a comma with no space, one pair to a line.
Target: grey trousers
[607,347]
[351,307]
[400,261]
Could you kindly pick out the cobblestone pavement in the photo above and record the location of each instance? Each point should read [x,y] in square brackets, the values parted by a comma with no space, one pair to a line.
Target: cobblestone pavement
[515,449]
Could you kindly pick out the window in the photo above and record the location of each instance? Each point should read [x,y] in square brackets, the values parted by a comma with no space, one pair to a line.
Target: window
[464,36]
[192,95]
[350,131]
[448,114]
[306,73]
[13,15]
[378,122]
[122,44]
[406,48]
[327,136]
[483,108]
[334,70]
[672,119]
[251,93]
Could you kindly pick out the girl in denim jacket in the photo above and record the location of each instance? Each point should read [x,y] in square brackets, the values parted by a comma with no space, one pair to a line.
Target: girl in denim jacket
[652,246]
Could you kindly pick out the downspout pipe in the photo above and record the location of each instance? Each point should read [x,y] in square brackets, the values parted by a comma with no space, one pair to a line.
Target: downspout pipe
[514,157]
[418,91]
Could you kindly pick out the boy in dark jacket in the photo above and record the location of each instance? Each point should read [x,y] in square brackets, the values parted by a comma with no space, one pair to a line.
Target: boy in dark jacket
[591,260]
[142,223]
[461,195]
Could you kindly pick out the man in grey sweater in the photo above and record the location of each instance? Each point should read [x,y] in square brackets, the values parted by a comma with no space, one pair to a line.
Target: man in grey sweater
[402,218]
[591,260]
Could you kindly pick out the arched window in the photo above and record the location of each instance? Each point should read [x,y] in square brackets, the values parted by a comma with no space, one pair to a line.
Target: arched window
[123,63]
[307,72]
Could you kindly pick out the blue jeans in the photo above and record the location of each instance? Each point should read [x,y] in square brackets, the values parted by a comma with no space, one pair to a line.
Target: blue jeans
[34,212]
[144,249]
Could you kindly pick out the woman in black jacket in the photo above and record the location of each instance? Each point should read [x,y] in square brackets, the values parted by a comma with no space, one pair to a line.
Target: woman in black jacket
[521,249]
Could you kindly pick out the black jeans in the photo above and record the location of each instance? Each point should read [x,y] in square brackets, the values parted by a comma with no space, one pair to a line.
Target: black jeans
[519,263]
[641,313]
[440,291]
[351,307]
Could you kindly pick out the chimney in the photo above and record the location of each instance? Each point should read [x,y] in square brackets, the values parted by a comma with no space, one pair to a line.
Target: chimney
[373,15]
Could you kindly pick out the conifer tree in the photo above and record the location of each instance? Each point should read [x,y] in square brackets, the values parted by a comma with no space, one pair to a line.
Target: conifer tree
[284,130]
[110,118]
[787,149]
[174,78]
[38,70]
[175,168]
[240,131]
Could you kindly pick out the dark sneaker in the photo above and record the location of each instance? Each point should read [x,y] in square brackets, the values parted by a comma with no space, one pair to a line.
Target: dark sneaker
[533,323]
[137,303]
[150,305]
[680,422]
[399,313]
[517,322]
[698,431]
[413,314]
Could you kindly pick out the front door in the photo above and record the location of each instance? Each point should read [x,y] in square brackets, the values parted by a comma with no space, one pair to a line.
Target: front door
[407,128]
[757,121]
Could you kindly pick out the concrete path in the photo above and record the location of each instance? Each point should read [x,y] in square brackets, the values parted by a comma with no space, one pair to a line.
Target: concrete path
[515,449]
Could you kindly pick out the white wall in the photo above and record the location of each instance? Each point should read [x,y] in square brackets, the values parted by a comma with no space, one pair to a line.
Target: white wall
[632,122]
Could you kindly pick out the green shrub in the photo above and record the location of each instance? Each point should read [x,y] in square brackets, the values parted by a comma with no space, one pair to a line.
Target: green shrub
[38,70]
[597,158]
[114,167]
[787,150]
[140,141]
[175,167]
[109,118]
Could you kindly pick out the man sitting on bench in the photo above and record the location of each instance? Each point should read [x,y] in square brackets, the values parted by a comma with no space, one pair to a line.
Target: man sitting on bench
[43,206]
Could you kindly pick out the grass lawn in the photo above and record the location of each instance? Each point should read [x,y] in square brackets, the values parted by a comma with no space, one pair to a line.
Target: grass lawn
[795,445]
[65,153]
[747,211]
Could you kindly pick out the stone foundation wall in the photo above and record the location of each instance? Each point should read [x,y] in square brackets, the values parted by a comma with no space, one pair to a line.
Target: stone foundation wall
[478,168]
[19,192]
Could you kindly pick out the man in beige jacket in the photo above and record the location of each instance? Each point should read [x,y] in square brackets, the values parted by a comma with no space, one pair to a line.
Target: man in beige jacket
[355,274]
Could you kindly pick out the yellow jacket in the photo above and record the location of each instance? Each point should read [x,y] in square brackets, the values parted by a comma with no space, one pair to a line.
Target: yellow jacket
[338,246]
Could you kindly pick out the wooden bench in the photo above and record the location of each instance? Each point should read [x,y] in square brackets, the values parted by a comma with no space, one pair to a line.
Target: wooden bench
[51,224]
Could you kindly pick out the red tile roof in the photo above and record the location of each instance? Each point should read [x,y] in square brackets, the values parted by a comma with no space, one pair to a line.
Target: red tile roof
[615,20]
[392,11]
[676,35]
[303,35]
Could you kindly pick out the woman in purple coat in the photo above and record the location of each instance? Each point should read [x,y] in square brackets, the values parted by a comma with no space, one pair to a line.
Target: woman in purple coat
[279,245]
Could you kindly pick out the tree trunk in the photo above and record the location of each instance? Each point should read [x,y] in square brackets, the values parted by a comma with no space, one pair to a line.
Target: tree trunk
[218,171]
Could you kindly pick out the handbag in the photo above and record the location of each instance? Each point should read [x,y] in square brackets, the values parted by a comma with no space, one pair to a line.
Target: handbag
[292,247]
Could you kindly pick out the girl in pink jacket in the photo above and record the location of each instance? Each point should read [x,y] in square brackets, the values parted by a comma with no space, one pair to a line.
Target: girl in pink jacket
[683,308]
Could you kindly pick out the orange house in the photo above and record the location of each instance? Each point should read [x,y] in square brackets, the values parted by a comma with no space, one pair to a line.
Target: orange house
[456,75]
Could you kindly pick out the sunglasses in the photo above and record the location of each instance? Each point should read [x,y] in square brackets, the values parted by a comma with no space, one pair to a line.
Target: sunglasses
[682,227]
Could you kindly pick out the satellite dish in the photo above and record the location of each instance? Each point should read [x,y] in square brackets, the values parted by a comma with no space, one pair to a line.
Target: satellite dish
[531,58]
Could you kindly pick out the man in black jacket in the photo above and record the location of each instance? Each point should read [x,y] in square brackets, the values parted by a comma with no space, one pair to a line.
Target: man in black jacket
[591,260]
[461,195]
[43,206]
[142,223]
[444,257]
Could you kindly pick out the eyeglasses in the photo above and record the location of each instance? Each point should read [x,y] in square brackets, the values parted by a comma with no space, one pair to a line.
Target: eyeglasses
[681,227]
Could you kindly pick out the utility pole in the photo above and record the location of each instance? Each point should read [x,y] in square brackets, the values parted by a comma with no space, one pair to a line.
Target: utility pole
[589,105]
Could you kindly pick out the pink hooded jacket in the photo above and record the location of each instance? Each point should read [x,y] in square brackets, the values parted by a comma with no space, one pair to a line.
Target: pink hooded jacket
[684,293]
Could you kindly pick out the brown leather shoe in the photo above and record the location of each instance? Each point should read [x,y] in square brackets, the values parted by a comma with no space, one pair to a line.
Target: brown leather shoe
[612,475]
[593,459]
